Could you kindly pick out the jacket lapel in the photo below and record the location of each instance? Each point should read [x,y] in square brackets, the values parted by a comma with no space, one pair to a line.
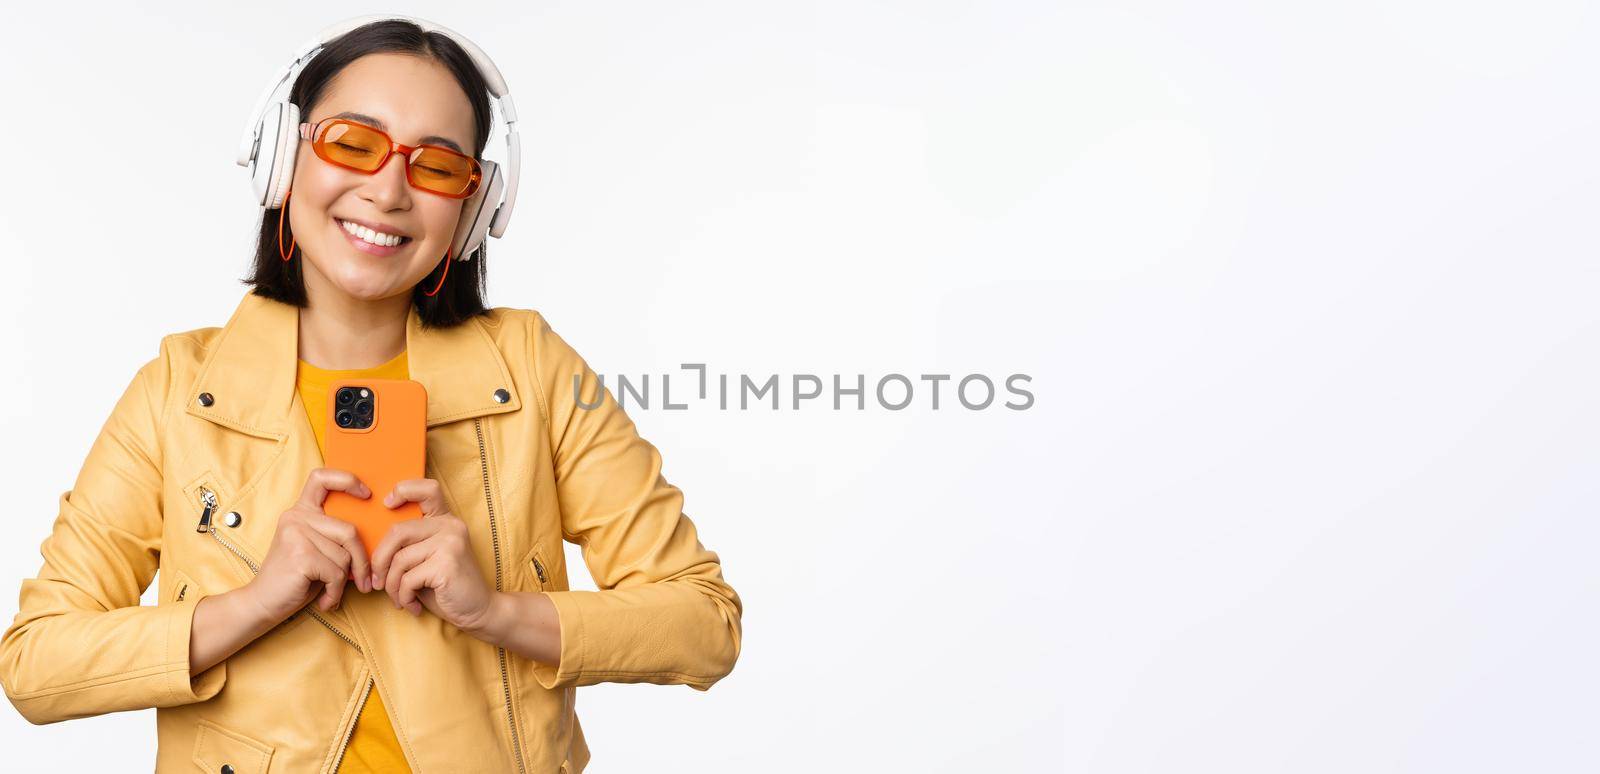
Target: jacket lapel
[249,374]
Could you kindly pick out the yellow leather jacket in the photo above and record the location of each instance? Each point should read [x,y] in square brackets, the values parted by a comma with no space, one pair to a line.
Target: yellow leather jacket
[209,444]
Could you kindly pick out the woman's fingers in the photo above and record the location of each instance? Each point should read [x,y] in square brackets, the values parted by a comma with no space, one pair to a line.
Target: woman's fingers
[402,534]
[345,535]
[415,580]
[332,577]
[335,552]
[408,557]
[297,560]
[429,496]
[426,492]
[321,481]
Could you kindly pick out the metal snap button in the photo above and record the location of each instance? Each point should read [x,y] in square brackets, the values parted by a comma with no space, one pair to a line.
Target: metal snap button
[206,399]
[232,519]
[226,769]
[501,396]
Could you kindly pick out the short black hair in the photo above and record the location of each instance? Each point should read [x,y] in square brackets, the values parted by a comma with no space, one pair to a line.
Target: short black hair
[462,296]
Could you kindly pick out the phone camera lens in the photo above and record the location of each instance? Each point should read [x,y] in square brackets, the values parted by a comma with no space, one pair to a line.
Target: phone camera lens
[345,396]
[364,408]
[344,418]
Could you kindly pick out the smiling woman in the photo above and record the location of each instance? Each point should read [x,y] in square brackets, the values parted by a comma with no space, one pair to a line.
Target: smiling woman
[363,227]
[453,644]
[389,79]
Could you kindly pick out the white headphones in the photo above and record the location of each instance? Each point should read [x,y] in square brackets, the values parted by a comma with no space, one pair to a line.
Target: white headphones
[272,138]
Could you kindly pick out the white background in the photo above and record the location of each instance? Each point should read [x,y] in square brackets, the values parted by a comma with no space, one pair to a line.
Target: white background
[1307,294]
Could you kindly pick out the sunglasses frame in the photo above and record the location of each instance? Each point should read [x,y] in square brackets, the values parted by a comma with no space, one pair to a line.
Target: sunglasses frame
[314,132]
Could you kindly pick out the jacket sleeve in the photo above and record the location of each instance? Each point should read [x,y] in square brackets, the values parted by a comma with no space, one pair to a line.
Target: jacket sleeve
[663,613]
[81,643]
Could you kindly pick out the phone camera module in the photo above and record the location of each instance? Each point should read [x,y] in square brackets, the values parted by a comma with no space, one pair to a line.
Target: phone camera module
[354,407]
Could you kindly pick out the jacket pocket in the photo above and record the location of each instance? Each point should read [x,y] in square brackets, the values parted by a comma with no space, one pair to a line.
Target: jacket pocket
[217,749]
[539,571]
[182,587]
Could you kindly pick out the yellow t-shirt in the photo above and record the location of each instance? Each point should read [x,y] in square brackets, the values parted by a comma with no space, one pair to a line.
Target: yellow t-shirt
[373,746]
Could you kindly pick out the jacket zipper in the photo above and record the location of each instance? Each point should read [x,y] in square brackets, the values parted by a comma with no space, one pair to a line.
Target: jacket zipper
[499,585]
[209,500]
[351,731]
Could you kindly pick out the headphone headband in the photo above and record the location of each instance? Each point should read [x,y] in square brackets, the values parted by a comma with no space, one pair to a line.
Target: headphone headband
[249,143]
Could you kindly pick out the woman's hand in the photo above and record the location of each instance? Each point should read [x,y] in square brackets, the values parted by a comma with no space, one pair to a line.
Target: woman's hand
[311,551]
[428,562]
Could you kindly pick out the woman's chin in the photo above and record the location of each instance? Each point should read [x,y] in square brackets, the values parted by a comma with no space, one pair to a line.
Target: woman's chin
[366,284]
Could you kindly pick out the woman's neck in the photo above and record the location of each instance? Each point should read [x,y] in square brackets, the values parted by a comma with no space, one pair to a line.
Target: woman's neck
[343,333]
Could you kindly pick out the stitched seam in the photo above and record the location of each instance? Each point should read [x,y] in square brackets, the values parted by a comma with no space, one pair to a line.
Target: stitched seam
[544,405]
[518,718]
[646,674]
[583,640]
[205,370]
[237,425]
[678,675]
[166,404]
[372,664]
[166,646]
[200,743]
[351,707]
[159,670]
[96,520]
[497,408]
[538,373]
[262,749]
[500,359]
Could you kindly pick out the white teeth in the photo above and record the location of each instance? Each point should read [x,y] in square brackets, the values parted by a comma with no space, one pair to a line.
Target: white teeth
[368,235]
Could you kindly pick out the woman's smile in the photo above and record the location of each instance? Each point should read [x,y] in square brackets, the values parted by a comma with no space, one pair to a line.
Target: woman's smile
[374,242]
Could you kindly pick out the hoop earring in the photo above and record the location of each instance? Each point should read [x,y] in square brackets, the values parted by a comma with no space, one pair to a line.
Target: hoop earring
[441,276]
[281,211]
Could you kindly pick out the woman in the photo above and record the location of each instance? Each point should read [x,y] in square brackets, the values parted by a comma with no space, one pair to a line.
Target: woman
[458,646]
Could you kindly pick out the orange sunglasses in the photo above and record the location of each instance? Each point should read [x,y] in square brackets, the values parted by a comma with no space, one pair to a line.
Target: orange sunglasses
[365,149]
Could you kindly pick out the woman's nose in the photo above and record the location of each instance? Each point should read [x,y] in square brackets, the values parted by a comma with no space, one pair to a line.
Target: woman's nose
[387,188]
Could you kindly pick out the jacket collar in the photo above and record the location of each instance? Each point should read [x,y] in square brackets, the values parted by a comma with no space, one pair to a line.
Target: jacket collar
[251,369]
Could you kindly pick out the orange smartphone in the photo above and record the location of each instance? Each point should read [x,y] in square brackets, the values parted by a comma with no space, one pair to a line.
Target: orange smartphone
[378,430]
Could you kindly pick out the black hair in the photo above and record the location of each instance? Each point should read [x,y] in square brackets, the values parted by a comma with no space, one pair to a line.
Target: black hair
[462,296]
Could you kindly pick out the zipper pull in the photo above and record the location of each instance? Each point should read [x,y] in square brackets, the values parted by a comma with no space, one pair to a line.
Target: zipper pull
[539,568]
[209,500]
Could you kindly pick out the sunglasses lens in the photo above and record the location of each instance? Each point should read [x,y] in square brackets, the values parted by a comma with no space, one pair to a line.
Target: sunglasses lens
[451,174]
[354,146]
[364,148]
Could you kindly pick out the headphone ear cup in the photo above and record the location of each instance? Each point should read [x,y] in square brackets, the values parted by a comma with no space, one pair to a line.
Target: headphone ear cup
[473,227]
[272,169]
